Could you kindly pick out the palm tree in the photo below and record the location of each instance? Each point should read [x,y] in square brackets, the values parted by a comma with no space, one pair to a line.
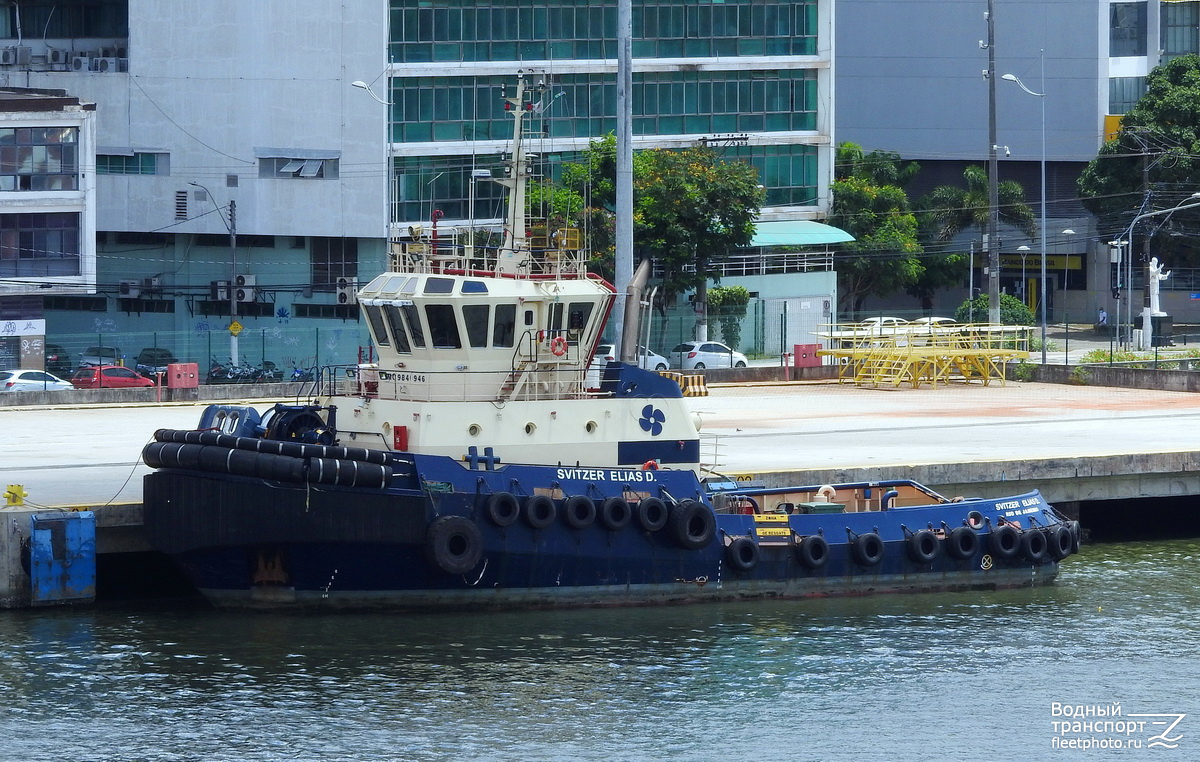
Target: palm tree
[950,209]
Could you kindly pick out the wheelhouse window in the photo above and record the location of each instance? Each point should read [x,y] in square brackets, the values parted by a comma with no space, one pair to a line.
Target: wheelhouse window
[505,327]
[475,318]
[443,328]
[395,320]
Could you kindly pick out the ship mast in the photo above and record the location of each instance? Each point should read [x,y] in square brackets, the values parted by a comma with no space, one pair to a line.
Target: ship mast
[514,251]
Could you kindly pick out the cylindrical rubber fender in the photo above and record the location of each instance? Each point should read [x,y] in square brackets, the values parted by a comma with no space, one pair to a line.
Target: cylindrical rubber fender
[813,551]
[652,514]
[579,511]
[454,544]
[1061,542]
[923,546]
[867,549]
[693,524]
[962,543]
[1005,541]
[503,509]
[1034,545]
[348,473]
[540,511]
[742,554]
[615,513]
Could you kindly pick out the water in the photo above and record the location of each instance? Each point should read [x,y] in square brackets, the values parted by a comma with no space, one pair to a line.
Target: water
[961,676]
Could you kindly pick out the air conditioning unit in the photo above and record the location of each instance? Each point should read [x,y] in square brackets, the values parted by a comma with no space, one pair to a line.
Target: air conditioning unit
[244,288]
[130,289]
[8,56]
[58,57]
[218,291]
[122,64]
[81,63]
[347,291]
[104,64]
[152,285]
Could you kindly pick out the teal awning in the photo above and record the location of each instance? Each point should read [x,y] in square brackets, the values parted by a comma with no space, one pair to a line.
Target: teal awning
[798,233]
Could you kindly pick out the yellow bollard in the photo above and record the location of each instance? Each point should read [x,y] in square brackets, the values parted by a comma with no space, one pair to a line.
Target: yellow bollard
[15,495]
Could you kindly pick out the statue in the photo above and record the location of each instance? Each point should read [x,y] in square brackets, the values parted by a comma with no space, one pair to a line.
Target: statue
[1156,276]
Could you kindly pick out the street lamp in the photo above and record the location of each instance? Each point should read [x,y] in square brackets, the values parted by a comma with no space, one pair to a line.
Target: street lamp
[231,226]
[1024,253]
[1066,261]
[1042,231]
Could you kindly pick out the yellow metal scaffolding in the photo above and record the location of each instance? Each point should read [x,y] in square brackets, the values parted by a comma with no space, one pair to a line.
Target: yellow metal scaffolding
[893,355]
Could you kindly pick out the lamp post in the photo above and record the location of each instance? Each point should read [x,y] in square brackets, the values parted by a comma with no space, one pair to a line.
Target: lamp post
[1126,240]
[1024,254]
[1042,231]
[231,226]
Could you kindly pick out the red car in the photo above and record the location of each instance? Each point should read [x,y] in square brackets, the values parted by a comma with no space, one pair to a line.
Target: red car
[107,377]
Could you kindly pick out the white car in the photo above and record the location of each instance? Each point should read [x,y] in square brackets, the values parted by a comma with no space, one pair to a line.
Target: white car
[934,321]
[697,355]
[882,325]
[606,353]
[31,381]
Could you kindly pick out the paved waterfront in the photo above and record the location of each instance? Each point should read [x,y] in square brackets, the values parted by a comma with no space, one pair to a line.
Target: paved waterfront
[91,454]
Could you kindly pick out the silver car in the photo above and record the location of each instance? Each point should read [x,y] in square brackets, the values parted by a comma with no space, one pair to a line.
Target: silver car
[31,381]
[697,355]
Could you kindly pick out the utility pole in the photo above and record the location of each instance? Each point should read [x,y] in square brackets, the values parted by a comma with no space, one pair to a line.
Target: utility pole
[992,241]
[233,290]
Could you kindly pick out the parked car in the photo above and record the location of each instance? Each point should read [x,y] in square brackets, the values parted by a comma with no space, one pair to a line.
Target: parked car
[883,325]
[153,360]
[934,321]
[697,355]
[107,377]
[606,353]
[31,381]
[58,361]
[101,356]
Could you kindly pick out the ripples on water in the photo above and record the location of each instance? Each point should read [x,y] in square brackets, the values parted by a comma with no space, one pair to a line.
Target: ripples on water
[961,676]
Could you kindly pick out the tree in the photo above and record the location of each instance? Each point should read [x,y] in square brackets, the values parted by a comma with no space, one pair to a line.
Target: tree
[1159,143]
[1012,310]
[951,209]
[691,208]
[870,204]
[728,304]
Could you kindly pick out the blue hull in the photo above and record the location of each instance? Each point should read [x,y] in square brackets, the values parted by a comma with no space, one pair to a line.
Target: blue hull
[440,539]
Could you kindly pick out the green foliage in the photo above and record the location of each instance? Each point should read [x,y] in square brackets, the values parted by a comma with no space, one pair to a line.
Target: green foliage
[870,204]
[951,209]
[1012,311]
[1162,129]
[1023,371]
[729,304]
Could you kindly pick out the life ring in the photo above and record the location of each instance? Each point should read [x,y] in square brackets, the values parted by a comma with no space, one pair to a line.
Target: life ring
[1061,542]
[867,549]
[923,546]
[813,551]
[963,543]
[540,511]
[454,544]
[1005,541]
[558,346]
[650,465]
[742,554]
[1034,546]
[503,509]
[615,513]
[693,524]
[579,511]
[652,514]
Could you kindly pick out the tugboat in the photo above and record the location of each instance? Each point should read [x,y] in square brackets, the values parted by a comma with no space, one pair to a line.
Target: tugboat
[470,466]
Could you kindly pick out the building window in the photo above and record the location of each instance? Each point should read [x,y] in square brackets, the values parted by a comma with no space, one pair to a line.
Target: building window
[55,19]
[39,158]
[1127,29]
[511,30]
[298,168]
[133,164]
[327,311]
[76,303]
[1124,93]
[333,258]
[1180,25]
[39,245]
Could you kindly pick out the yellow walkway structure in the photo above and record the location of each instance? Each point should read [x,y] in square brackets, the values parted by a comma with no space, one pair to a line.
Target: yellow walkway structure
[910,354]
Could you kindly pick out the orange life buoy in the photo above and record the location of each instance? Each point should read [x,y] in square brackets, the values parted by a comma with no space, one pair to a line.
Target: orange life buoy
[558,345]
[650,465]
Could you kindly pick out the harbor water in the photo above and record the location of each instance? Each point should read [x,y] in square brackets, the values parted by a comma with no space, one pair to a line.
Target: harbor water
[987,676]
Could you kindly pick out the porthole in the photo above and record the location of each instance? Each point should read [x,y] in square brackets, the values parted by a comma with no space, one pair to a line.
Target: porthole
[591,427]
[530,427]
[474,429]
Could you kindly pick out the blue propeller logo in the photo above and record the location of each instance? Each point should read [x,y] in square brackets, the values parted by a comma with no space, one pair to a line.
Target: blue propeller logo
[652,420]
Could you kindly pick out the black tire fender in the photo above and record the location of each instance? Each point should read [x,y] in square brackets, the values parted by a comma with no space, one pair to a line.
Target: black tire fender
[454,544]
[923,546]
[742,554]
[540,511]
[813,551]
[615,513]
[1004,542]
[962,543]
[652,514]
[579,511]
[867,549]
[503,509]
[1034,545]
[693,524]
